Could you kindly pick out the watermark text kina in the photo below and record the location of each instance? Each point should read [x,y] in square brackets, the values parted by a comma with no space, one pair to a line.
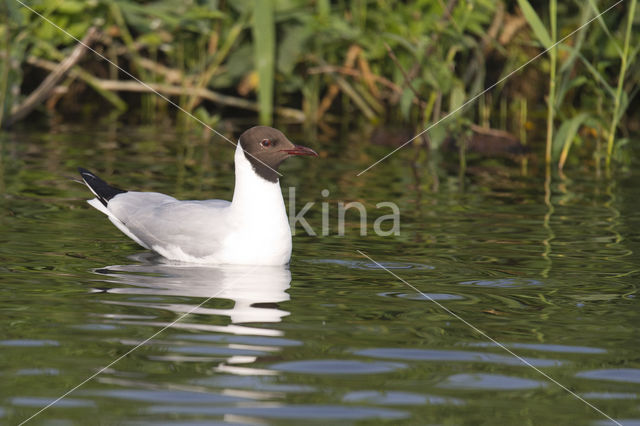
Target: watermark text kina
[384,224]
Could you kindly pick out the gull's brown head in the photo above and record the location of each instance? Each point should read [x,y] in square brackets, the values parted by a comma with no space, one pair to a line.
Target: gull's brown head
[266,147]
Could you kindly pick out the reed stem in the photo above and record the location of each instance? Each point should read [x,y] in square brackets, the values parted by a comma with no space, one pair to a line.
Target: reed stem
[264,39]
[623,71]
[553,55]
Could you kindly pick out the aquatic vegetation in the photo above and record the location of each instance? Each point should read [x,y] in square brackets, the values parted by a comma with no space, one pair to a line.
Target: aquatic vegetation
[621,102]
[341,65]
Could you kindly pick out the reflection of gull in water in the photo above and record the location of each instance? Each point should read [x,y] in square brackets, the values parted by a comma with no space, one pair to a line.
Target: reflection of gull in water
[255,290]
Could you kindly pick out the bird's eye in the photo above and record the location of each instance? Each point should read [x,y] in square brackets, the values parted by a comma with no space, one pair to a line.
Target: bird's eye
[266,143]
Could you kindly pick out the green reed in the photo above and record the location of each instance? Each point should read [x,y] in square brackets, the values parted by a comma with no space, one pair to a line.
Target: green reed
[617,106]
[264,40]
[553,59]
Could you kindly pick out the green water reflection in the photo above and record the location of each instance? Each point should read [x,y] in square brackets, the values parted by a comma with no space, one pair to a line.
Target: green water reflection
[333,339]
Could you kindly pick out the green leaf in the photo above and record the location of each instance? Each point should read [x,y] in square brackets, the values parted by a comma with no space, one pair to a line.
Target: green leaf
[10,70]
[437,135]
[150,39]
[624,103]
[605,27]
[457,96]
[71,7]
[536,23]
[599,76]
[406,101]
[78,29]
[291,48]
[567,84]
[568,63]
[566,135]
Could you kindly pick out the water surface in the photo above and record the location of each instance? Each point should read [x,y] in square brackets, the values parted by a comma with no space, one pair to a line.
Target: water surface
[333,338]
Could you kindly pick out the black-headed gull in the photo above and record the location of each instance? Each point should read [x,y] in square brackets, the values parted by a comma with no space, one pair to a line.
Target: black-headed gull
[252,229]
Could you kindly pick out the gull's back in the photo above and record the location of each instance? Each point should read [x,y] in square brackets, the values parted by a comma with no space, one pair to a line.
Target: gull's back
[180,230]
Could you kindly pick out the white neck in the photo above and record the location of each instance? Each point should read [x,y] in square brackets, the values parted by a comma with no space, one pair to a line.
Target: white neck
[260,232]
[253,196]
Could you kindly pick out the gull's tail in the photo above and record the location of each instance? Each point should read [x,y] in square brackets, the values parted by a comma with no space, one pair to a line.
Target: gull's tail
[104,192]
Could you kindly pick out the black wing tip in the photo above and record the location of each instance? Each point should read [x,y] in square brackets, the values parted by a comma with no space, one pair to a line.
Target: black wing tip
[86,174]
[100,188]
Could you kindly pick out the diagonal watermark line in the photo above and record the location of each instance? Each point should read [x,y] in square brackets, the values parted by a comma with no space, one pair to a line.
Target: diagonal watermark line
[148,87]
[134,348]
[490,87]
[477,330]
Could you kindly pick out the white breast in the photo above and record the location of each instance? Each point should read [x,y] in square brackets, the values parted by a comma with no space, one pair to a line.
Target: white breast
[260,228]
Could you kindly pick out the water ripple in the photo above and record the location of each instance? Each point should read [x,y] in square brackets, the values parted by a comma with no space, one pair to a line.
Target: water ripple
[28,342]
[628,375]
[504,282]
[29,401]
[216,350]
[609,395]
[255,383]
[278,411]
[398,398]
[625,422]
[451,355]
[336,366]
[169,396]
[38,372]
[544,347]
[489,382]
[248,340]
[425,296]
[366,265]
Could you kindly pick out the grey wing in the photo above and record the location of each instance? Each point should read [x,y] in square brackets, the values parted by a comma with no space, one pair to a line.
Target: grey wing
[158,220]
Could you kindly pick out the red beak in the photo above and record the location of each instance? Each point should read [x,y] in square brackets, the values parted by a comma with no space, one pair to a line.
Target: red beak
[300,150]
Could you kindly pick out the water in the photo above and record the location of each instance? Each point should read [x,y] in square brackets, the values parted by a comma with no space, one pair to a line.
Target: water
[334,338]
